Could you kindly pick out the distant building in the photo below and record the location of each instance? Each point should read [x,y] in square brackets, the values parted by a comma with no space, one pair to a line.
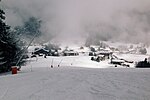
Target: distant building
[41,51]
[117,61]
[70,53]
[106,53]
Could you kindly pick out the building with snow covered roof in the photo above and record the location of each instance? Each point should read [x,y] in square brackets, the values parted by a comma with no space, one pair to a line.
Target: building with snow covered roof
[70,53]
[41,51]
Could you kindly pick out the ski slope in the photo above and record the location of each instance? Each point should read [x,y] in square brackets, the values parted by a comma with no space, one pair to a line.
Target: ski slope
[38,81]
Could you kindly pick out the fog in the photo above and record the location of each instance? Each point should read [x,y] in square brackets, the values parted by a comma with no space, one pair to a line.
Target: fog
[75,20]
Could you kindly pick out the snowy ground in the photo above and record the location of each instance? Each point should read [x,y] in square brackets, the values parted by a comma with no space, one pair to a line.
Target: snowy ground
[71,81]
[84,61]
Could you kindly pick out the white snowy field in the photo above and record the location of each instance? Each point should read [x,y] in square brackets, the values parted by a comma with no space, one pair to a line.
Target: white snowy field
[38,81]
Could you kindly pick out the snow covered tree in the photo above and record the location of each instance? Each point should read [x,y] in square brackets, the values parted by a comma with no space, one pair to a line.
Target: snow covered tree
[30,27]
[10,46]
[143,51]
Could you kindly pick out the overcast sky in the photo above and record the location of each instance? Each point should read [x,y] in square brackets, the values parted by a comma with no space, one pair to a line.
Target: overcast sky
[117,20]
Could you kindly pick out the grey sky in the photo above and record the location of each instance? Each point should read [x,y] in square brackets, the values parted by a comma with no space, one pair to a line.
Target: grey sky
[127,20]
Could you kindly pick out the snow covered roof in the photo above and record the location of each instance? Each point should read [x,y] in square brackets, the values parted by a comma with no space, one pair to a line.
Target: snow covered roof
[117,60]
[32,48]
[104,52]
[41,49]
[70,51]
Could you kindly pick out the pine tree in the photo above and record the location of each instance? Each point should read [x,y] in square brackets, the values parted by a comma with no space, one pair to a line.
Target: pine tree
[10,46]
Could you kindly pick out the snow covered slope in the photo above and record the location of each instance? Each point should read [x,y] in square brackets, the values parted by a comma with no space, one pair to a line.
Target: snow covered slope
[74,83]
[71,61]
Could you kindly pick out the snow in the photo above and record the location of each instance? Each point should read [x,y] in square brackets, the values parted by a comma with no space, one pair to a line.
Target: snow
[76,84]
[148,50]
[72,61]
[117,44]
[77,78]
[117,60]
[2,62]
[32,48]
[132,57]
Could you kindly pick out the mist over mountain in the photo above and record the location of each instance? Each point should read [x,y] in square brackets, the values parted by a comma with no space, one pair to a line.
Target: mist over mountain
[115,20]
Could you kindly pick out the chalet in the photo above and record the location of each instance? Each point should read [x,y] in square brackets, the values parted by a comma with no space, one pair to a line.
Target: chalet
[41,51]
[54,52]
[107,54]
[117,61]
[84,51]
[70,53]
